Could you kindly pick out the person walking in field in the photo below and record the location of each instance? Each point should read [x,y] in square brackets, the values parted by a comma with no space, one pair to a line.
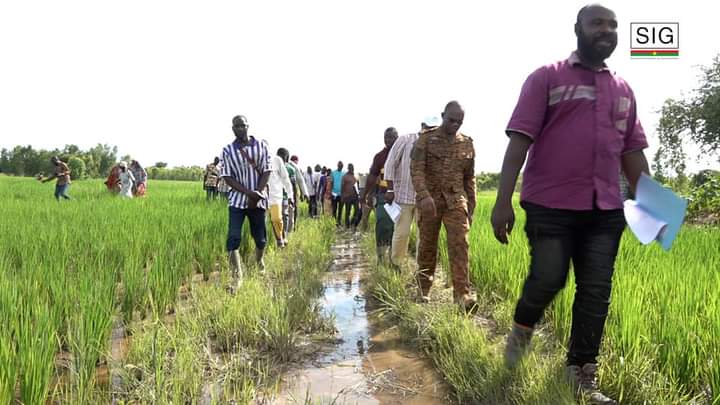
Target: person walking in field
[349,196]
[328,198]
[126,179]
[442,169]
[365,208]
[578,121]
[140,175]
[62,174]
[222,187]
[336,187]
[401,191]
[113,180]
[297,178]
[280,188]
[246,169]
[375,188]
[311,181]
[320,189]
[211,179]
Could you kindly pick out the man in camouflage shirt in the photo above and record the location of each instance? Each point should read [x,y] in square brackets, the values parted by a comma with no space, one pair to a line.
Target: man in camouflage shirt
[442,170]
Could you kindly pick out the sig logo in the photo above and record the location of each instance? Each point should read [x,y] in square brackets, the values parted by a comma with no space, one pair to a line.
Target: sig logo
[654,40]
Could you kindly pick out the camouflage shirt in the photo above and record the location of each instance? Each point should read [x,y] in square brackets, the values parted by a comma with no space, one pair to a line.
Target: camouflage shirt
[443,167]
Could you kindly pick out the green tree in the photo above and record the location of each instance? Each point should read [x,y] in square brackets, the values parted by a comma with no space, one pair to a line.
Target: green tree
[161,165]
[77,168]
[102,157]
[695,120]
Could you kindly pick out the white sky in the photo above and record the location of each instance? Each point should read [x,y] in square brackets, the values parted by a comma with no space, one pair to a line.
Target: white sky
[162,79]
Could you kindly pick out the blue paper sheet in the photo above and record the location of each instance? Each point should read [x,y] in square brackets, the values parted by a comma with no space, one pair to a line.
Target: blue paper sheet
[662,205]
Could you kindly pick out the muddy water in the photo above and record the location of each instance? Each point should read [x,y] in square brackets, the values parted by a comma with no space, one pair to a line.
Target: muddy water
[368,364]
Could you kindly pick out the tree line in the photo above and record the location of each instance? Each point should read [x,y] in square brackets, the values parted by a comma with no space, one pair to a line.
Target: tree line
[95,162]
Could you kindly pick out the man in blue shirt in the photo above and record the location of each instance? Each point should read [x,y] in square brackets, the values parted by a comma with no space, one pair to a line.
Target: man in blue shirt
[336,178]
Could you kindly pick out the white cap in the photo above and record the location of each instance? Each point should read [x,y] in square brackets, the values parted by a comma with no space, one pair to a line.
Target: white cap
[431,121]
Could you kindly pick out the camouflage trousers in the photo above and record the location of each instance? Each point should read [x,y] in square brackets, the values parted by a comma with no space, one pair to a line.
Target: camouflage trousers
[457,227]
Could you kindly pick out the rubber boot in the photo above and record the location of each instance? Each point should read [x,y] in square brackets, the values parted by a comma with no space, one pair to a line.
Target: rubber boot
[235,268]
[518,343]
[259,259]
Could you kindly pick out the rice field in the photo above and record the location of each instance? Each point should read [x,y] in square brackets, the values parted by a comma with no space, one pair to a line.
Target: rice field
[73,271]
[662,337]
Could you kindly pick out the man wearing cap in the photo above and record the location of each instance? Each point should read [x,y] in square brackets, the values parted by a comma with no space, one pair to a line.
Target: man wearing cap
[577,109]
[443,174]
[62,174]
[377,185]
[400,189]
[246,169]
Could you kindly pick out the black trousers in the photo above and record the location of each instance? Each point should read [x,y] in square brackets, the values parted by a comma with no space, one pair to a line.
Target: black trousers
[591,240]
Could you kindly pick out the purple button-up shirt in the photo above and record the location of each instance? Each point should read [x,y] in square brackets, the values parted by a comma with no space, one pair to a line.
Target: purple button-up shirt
[581,122]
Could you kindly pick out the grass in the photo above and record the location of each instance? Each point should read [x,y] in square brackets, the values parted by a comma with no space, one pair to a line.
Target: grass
[72,270]
[661,338]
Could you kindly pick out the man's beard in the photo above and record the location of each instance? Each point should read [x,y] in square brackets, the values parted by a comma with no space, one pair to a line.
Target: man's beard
[588,49]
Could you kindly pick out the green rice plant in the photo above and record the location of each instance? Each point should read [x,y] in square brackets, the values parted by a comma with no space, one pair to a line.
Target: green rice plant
[89,325]
[36,344]
[9,367]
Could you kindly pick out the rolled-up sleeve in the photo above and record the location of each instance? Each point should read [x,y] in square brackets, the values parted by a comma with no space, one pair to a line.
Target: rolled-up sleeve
[529,114]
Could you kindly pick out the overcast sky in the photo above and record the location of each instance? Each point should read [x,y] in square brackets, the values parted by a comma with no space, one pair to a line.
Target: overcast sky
[163,79]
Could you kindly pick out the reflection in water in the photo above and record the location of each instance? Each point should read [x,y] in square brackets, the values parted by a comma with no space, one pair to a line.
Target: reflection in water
[368,365]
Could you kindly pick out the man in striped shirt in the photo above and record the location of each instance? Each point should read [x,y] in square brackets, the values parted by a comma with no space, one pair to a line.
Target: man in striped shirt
[246,169]
[401,191]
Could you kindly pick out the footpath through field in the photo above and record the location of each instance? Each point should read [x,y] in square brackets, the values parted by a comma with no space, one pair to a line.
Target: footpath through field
[368,364]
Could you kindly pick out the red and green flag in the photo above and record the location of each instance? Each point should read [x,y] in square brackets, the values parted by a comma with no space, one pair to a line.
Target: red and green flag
[654,53]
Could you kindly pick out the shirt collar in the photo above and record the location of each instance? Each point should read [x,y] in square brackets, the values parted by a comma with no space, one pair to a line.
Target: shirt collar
[574,60]
[250,138]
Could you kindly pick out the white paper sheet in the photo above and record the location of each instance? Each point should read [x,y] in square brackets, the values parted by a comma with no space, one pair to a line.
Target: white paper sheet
[656,214]
[393,210]
[645,227]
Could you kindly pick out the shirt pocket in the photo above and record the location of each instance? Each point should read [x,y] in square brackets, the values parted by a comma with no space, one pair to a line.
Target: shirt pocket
[620,123]
[621,114]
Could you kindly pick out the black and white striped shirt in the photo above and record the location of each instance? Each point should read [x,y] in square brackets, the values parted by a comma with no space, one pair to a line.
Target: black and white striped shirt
[235,165]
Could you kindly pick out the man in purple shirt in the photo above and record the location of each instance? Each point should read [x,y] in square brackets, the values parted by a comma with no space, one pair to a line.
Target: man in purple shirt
[578,121]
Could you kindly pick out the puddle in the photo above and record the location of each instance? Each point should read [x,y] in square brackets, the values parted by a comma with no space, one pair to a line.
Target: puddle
[368,364]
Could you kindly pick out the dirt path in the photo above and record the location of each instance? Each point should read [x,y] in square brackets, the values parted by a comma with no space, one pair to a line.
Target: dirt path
[368,364]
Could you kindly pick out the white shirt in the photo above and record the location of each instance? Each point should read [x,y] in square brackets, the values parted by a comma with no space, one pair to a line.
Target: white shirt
[312,181]
[279,180]
[126,182]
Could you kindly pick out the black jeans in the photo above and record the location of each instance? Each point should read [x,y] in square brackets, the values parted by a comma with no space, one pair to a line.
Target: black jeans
[312,206]
[591,240]
[337,209]
[351,205]
[236,219]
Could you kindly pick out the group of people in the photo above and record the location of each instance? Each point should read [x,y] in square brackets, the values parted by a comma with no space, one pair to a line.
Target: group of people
[127,181]
[576,130]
